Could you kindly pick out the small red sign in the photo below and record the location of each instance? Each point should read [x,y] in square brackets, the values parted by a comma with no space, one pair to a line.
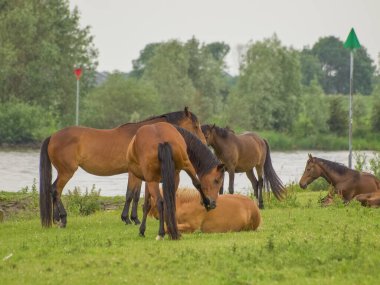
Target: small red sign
[78,72]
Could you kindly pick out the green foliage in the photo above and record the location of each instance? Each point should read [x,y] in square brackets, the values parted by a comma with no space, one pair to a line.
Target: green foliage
[335,62]
[21,122]
[375,111]
[270,84]
[120,100]
[338,121]
[83,204]
[41,41]
[362,163]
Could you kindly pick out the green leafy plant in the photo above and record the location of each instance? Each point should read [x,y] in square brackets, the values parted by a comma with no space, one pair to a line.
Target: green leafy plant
[85,203]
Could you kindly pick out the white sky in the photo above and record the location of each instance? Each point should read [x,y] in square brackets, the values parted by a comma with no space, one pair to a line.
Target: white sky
[123,27]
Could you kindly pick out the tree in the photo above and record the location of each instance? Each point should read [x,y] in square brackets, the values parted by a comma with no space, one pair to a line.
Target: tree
[120,100]
[338,120]
[41,42]
[270,83]
[140,63]
[311,68]
[335,62]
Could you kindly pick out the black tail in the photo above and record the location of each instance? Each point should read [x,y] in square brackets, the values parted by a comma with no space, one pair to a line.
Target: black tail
[270,176]
[165,156]
[46,202]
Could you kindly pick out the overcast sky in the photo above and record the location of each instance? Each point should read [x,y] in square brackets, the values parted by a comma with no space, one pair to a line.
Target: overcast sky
[123,27]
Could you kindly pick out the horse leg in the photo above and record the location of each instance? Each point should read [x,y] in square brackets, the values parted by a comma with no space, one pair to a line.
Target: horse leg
[146,209]
[255,184]
[133,192]
[128,200]
[60,183]
[221,190]
[231,173]
[260,187]
[136,199]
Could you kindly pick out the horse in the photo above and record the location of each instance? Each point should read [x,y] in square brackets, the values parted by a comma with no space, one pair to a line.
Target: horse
[158,152]
[347,183]
[99,152]
[369,200]
[243,153]
[191,216]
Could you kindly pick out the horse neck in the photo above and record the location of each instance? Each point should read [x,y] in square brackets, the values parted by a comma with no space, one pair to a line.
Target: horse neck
[330,175]
[218,144]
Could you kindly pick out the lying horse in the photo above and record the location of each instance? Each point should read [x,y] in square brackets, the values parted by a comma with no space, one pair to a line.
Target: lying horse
[369,200]
[158,152]
[99,152]
[243,153]
[234,213]
[347,182]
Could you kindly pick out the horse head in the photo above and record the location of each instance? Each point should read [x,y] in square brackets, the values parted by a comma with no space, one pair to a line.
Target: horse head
[190,122]
[211,183]
[312,172]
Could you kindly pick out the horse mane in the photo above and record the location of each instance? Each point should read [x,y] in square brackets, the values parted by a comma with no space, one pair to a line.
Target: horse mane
[221,132]
[172,118]
[200,155]
[335,166]
[187,195]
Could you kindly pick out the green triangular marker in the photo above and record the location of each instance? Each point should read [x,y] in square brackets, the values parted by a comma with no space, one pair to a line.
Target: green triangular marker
[352,41]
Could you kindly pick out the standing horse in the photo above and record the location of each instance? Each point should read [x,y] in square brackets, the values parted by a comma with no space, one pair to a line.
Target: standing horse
[242,153]
[234,213]
[99,152]
[158,152]
[347,182]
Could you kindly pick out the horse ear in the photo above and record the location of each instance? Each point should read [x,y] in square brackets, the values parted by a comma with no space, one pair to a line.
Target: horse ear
[213,126]
[310,156]
[221,167]
[187,112]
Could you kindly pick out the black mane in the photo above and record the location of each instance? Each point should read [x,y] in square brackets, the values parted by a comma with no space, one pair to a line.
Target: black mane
[172,118]
[335,166]
[200,155]
[221,132]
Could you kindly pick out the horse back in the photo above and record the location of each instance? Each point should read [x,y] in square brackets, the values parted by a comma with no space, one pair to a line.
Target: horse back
[233,213]
[252,151]
[143,150]
[100,152]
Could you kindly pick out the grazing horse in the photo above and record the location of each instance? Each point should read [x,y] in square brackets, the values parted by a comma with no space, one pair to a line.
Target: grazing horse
[347,182]
[158,152]
[243,153]
[99,152]
[234,213]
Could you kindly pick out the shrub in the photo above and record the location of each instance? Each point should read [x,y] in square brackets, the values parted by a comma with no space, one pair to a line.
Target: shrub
[83,204]
[23,123]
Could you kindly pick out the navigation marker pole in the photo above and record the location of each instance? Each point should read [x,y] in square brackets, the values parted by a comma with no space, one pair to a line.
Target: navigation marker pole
[351,43]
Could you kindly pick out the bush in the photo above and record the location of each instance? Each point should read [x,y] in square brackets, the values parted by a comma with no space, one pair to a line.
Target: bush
[23,123]
[83,204]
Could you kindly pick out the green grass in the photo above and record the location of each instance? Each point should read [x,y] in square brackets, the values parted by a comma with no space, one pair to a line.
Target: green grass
[299,242]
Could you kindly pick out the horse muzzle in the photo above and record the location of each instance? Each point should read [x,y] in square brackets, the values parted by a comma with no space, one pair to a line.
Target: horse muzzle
[212,205]
[303,185]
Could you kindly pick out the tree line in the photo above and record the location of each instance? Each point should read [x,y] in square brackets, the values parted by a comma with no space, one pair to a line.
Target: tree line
[295,92]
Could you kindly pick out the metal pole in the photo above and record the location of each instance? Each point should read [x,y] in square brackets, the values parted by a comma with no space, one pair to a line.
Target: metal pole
[350,115]
[77,108]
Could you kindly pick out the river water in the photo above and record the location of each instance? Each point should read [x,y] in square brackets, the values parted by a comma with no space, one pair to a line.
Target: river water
[20,168]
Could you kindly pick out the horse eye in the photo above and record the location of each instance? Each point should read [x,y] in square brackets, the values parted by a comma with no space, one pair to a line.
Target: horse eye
[216,181]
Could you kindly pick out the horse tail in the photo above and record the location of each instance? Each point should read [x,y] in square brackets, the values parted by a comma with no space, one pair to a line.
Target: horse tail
[45,185]
[165,156]
[270,176]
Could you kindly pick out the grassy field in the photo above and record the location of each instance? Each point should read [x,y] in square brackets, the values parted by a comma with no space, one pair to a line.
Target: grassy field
[299,242]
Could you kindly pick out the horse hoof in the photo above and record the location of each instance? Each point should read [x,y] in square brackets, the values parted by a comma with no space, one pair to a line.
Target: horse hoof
[159,237]
[126,221]
[141,234]
[136,221]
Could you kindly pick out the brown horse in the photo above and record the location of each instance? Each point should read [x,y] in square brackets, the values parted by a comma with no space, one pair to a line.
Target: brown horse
[158,152]
[243,153]
[347,182]
[99,152]
[369,200]
[191,216]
